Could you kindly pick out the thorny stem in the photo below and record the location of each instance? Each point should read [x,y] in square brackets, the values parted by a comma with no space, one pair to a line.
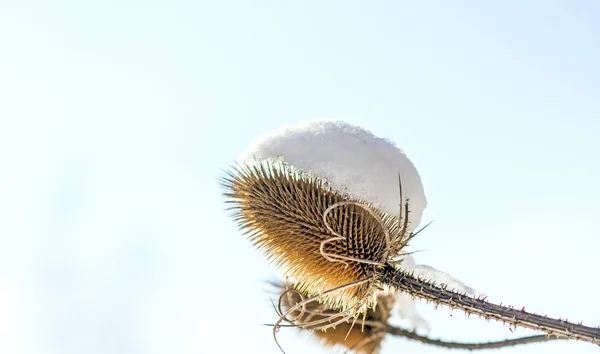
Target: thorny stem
[406,282]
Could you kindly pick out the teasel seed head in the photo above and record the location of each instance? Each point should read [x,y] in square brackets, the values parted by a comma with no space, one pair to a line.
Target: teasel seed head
[362,335]
[320,239]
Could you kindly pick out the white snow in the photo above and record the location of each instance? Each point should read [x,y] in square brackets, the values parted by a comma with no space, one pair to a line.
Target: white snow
[350,158]
[440,278]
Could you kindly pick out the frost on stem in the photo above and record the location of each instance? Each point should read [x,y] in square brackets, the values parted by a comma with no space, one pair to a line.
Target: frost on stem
[444,279]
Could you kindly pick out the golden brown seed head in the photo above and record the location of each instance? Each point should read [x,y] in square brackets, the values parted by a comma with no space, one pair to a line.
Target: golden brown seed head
[281,211]
[362,337]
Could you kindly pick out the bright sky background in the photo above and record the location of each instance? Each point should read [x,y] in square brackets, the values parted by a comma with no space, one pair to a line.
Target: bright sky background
[117,118]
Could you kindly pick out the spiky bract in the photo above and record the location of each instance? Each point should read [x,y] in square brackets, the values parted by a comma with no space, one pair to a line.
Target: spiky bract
[281,210]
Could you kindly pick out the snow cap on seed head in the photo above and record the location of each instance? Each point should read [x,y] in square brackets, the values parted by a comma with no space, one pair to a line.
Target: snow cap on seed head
[355,162]
[351,159]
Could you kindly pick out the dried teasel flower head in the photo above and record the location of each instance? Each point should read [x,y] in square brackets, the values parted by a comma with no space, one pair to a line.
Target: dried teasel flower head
[319,238]
[362,336]
[301,196]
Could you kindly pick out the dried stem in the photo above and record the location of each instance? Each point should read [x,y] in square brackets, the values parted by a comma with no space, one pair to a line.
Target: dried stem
[406,282]
[400,332]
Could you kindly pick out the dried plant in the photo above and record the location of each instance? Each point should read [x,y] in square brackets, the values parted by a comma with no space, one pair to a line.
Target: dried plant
[343,252]
[362,337]
[367,334]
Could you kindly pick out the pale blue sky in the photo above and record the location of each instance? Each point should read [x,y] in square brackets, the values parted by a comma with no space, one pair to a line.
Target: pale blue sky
[117,117]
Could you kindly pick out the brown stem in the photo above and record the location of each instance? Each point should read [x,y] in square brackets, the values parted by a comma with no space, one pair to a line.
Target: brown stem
[405,282]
